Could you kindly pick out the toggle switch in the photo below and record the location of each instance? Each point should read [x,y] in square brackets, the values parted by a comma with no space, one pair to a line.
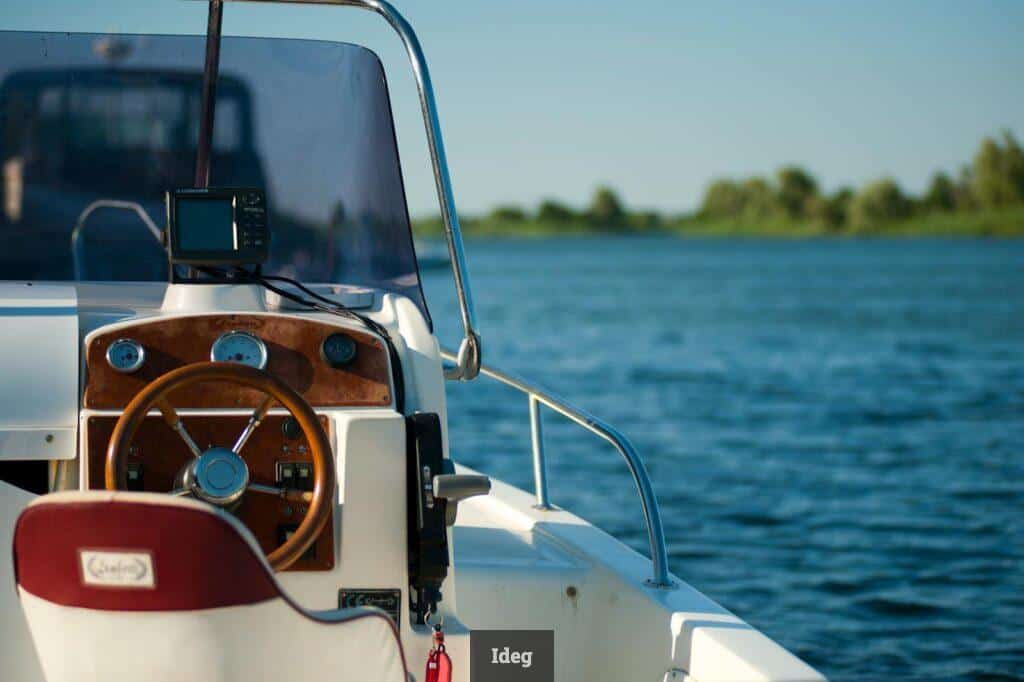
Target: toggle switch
[304,476]
[286,474]
[133,476]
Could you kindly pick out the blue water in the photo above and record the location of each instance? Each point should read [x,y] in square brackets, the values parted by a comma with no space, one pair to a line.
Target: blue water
[835,429]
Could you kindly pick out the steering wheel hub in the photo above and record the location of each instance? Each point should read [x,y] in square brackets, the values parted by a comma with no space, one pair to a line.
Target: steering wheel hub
[218,476]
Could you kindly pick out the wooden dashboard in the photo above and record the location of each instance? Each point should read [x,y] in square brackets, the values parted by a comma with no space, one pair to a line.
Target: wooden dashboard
[293,354]
[158,454]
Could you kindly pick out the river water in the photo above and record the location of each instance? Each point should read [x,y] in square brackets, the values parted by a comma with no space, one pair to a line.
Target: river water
[835,429]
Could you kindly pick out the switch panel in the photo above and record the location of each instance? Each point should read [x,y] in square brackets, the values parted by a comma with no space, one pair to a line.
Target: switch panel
[295,475]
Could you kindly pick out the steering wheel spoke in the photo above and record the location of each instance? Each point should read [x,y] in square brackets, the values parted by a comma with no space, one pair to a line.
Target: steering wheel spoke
[173,420]
[289,494]
[254,422]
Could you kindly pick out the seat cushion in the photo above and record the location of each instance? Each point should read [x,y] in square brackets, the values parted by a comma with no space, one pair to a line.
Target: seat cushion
[129,586]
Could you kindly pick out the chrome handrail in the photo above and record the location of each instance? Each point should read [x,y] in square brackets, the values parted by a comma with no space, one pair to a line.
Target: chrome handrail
[467,362]
[83,218]
[652,515]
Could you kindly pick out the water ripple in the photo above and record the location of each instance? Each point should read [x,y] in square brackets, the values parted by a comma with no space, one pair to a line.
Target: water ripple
[835,429]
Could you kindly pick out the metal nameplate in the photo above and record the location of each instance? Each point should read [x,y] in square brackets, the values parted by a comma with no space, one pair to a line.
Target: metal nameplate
[389,601]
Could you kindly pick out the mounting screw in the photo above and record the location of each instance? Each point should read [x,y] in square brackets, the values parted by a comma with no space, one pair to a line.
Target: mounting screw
[49,438]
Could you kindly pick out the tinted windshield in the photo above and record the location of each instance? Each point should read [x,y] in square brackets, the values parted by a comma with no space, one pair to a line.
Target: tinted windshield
[87,117]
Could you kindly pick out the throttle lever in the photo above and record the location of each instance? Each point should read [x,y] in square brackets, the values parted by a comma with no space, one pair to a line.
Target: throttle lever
[453,488]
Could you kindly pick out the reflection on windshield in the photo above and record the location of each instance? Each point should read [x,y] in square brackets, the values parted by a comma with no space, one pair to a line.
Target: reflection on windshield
[85,117]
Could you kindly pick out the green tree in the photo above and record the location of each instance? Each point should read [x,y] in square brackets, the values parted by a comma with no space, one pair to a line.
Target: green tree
[723,199]
[941,193]
[552,211]
[645,220]
[839,206]
[796,188]
[878,202]
[964,189]
[508,214]
[606,209]
[832,211]
[999,173]
[1013,162]
[758,199]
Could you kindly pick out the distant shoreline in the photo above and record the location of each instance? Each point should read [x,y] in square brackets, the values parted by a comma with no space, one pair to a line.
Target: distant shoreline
[993,223]
[985,199]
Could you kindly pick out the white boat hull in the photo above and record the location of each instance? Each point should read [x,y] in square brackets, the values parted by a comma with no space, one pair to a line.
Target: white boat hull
[517,567]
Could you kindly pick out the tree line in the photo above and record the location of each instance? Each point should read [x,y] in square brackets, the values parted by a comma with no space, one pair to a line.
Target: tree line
[985,196]
[993,180]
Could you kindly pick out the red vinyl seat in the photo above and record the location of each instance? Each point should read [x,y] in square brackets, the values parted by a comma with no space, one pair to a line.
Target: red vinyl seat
[120,586]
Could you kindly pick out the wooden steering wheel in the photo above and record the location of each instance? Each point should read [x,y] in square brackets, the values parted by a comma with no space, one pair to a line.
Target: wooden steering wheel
[219,475]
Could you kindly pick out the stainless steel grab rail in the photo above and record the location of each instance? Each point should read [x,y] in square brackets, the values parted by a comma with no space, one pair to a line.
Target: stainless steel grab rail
[83,218]
[467,362]
[652,515]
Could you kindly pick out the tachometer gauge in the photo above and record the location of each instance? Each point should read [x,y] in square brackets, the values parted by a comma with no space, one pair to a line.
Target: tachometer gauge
[338,350]
[241,347]
[125,355]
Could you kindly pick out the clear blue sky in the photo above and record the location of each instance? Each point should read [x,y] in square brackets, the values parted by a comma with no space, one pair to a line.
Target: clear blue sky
[657,97]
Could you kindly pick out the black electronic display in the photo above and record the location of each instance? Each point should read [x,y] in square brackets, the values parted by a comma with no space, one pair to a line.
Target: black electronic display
[220,226]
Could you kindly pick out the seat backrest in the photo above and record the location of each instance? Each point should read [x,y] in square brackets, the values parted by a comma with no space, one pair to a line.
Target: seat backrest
[130,586]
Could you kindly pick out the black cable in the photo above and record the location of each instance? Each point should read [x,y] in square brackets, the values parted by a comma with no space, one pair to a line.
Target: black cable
[348,312]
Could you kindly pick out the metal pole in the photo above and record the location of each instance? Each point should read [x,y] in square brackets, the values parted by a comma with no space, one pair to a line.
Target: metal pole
[214,23]
[540,472]
[468,358]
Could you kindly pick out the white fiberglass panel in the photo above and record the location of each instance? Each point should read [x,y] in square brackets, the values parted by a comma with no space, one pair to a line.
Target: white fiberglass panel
[39,366]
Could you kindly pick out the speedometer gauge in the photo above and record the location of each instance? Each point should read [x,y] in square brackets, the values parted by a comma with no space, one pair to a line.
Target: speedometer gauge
[125,356]
[240,347]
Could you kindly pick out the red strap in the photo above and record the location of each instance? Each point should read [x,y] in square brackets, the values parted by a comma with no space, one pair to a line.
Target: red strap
[439,665]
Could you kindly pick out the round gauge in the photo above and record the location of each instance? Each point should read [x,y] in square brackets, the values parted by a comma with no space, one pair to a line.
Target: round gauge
[241,347]
[125,355]
[338,350]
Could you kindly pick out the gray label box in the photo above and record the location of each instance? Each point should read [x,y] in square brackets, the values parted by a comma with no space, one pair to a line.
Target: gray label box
[512,656]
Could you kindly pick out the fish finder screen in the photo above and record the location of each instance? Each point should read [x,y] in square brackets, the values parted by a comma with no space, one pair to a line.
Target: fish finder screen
[205,225]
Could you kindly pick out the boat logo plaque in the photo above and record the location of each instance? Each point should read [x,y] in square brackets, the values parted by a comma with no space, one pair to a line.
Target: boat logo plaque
[128,570]
[389,601]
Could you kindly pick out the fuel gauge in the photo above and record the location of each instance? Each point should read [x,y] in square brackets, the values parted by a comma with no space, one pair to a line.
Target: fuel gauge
[126,355]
